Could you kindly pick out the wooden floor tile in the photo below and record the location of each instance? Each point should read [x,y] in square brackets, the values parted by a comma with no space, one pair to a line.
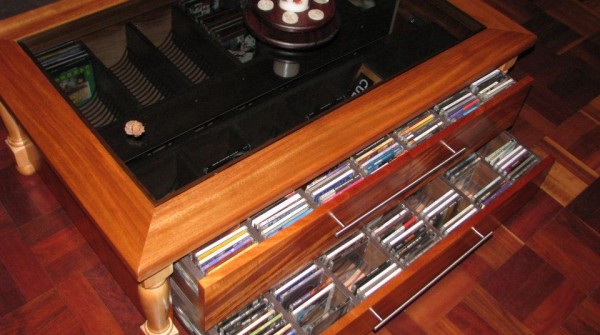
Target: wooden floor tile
[552,312]
[6,156]
[546,103]
[21,262]
[586,207]
[592,5]
[445,327]
[520,11]
[523,283]
[592,109]
[572,163]
[45,315]
[562,184]
[576,16]
[492,255]
[58,245]
[538,211]
[576,84]
[15,199]
[404,325]
[552,34]
[114,299]
[45,226]
[10,294]
[531,127]
[468,321]
[586,319]
[6,222]
[94,316]
[489,310]
[571,247]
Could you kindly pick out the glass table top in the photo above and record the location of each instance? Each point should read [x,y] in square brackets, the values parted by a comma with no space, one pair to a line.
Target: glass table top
[207,82]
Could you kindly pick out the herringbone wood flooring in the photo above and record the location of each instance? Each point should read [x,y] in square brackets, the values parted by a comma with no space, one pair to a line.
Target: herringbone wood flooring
[540,274]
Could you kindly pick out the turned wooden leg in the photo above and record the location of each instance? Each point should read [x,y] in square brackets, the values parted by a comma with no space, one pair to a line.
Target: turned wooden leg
[155,300]
[26,154]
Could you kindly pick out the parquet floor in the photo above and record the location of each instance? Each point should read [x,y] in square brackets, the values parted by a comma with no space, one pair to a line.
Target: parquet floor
[539,274]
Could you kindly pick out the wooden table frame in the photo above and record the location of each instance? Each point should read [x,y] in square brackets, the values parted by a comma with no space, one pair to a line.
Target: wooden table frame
[147,237]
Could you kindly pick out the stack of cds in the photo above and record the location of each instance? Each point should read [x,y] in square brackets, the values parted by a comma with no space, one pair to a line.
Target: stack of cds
[443,207]
[402,233]
[420,128]
[376,279]
[281,214]
[491,84]
[225,24]
[70,66]
[199,8]
[476,180]
[312,298]
[353,259]
[223,249]
[458,105]
[377,155]
[257,318]
[332,183]
[512,159]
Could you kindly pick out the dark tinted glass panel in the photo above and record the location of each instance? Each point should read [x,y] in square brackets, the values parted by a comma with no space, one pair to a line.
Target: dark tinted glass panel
[211,85]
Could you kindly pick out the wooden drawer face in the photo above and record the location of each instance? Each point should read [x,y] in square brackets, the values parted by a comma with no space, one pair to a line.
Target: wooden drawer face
[237,282]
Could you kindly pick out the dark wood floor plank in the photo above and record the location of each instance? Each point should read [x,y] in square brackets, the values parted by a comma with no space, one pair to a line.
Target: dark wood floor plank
[552,34]
[553,311]
[571,247]
[444,327]
[576,16]
[489,310]
[523,283]
[537,212]
[6,222]
[44,227]
[58,245]
[10,295]
[94,316]
[592,109]
[15,199]
[520,11]
[586,319]
[45,315]
[20,261]
[579,136]
[586,207]
[492,255]
[114,299]
[404,325]
[468,321]
[548,105]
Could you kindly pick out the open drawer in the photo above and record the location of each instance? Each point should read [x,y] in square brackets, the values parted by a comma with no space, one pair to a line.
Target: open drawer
[224,289]
[391,299]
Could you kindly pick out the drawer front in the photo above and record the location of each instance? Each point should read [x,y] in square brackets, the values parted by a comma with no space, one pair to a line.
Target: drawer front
[391,299]
[251,273]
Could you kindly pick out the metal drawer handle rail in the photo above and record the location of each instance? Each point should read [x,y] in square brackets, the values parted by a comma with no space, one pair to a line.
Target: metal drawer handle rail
[400,192]
[431,283]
